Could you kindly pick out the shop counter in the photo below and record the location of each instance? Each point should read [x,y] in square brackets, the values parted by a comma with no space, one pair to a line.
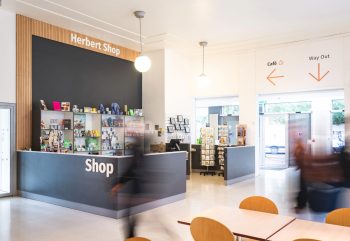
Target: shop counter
[84,182]
[239,164]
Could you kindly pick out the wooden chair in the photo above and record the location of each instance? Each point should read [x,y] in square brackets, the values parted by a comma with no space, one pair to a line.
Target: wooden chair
[206,229]
[306,239]
[339,216]
[137,239]
[260,204]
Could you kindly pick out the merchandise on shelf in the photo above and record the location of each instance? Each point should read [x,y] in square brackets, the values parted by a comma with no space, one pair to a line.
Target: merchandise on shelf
[208,148]
[223,142]
[104,134]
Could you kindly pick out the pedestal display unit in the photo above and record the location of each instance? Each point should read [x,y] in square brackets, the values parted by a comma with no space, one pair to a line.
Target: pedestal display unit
[208,150]
[223,142]
[56,131]
[112,135]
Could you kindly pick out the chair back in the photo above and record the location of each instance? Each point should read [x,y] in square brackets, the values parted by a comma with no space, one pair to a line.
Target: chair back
[260,204]
[137,239]
[206,229]
[339,216]
[306,239]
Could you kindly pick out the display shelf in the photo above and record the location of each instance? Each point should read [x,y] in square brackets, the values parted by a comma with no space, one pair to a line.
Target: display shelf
[207,150]
[56,129]
[223,142]
[112,131]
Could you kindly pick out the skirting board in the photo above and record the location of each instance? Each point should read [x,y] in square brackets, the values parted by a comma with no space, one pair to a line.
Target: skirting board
[102,211]
[239,179]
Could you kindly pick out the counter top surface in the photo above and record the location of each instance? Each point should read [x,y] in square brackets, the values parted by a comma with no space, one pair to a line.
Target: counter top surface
[79,154]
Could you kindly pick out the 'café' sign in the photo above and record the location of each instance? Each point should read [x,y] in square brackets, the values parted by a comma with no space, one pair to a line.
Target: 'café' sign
[87,42]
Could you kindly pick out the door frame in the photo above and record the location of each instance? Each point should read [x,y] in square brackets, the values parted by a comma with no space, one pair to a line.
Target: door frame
[13,156]
[262,141]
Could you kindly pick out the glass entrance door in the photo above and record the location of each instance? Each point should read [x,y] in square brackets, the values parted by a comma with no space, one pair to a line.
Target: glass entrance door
[273,141]
[6,146]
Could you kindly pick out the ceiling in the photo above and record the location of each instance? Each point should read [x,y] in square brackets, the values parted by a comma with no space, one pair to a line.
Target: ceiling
[223,23]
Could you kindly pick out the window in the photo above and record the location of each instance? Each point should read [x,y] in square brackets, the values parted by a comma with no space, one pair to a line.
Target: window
[338,125]
[287,107]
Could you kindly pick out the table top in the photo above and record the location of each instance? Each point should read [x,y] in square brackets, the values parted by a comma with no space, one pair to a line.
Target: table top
[312,230]
[245,223]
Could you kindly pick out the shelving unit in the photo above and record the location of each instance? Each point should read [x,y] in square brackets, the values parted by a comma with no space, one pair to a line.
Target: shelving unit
[87,132]
[208,150]
[92,133]
[112,138]
[223,142]
[134,132]
[56,133]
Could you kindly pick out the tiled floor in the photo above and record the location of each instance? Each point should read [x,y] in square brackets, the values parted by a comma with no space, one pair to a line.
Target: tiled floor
[26,220]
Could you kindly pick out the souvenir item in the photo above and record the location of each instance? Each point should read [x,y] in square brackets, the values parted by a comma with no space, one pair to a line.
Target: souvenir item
[56,105]
[75,108]
[102,109]
[43,105]
[115,109]
[87,109]
[65,106]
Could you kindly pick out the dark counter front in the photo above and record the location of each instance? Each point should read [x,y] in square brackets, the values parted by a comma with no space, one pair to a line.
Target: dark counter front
[84,182]
[239,164]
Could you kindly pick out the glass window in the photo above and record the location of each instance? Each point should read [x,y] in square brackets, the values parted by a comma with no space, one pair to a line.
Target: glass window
[201,119]
[230,110]
[338,125]
[287,107]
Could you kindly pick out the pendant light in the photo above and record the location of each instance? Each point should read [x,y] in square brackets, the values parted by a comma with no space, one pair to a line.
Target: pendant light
[203,80]
[142,62]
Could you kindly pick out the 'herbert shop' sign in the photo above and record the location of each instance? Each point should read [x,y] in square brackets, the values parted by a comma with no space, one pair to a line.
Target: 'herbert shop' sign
[87,42]
[104,168]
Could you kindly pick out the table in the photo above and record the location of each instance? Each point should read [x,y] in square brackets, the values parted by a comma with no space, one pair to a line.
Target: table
[245,223]
[313,230]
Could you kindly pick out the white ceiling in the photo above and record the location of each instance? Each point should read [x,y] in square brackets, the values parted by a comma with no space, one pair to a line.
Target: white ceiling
[223,23]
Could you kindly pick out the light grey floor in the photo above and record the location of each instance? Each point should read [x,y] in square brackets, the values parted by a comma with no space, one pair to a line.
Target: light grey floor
[27,220]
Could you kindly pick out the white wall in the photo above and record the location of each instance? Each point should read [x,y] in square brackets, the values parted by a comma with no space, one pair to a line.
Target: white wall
[7,56]
[246,75]
[153,95]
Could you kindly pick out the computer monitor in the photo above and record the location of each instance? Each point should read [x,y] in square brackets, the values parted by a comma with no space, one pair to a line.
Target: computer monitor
[174,145]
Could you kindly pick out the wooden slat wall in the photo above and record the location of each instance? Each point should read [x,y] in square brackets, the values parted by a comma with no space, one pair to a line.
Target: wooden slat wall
[26,28]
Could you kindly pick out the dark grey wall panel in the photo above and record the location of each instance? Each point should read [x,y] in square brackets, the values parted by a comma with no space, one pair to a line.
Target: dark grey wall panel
[239,162]
[63,176]
[63,72]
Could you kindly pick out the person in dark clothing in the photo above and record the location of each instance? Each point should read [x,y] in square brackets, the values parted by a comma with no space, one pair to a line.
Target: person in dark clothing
[299,153]
[130,183]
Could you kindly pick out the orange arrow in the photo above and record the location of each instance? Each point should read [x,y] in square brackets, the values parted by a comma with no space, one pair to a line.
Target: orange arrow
[270,77]
[319,78]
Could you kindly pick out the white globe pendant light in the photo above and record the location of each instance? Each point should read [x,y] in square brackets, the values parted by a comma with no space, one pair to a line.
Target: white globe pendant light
[203,80]
[142,62]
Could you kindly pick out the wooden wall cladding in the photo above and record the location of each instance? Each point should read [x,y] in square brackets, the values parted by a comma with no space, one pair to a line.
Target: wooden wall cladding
[26,28]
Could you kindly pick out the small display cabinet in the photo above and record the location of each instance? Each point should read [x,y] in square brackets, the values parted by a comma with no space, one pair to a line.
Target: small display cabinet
[87,133]
[90,133]
[56,131]
[134,132]
[112,135]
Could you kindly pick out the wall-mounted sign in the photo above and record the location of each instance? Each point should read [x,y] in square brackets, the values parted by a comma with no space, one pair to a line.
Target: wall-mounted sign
[104,168]
[319,58]
[87,42]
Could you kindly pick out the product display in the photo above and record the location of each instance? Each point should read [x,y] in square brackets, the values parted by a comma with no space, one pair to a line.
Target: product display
[178,128]
[94,133]
[241,134]
[208,149]
[223,142]
[65,106]
[56,133]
